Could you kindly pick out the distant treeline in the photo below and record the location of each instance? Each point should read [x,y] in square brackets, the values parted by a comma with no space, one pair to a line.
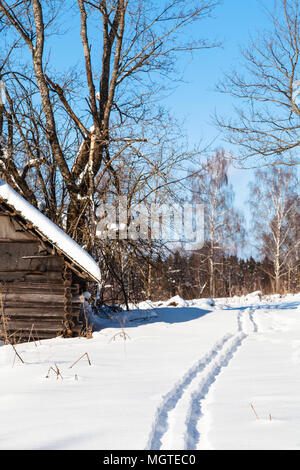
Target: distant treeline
[187,275]
[137,270]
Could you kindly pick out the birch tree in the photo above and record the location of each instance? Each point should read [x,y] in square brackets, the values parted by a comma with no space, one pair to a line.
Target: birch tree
[223,224]
[274,201]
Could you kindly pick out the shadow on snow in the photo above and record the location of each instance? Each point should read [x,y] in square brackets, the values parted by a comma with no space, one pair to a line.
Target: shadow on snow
[156,315]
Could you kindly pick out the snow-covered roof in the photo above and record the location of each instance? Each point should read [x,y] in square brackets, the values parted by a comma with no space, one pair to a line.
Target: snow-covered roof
[48,229]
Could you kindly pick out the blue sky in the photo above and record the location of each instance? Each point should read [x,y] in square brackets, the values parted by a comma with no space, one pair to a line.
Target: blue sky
[196,100]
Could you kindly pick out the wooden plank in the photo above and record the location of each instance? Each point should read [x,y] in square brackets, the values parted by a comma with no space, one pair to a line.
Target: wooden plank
[38,325]
[11,256]
[57,290]
[30,305]
[28,257]
[34,307]
[34,297]
[33,291]
[8,276]
[49,275]
[35,336]
[41,332]
[33,287]
[32,314]
[10,229]
[31,284]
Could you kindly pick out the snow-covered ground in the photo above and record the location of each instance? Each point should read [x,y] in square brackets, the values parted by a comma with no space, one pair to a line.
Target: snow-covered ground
[193,375]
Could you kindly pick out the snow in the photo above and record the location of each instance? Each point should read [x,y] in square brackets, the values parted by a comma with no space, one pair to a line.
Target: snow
[81,176]
[188,377]
[47,228]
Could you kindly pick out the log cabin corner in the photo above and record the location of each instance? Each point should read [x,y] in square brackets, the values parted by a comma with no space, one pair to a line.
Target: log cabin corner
[43,273]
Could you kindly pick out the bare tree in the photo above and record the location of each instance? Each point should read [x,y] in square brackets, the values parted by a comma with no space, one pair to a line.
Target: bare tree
[274,201]
[223,224]
[153,179]
[266,126]
[291,278]
[67,132]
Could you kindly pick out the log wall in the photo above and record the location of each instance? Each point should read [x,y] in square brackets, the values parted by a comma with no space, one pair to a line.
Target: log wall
[39,295]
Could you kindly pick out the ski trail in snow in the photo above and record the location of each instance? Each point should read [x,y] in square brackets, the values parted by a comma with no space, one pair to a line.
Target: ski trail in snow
[177,418]
[192,435]
[246,326]
[251,316]
[246,322]
[170,400]
[240,321]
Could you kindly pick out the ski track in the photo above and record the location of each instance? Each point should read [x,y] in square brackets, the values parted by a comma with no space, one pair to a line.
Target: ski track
[251,316]
[171,399]
[192,435]
[207,370]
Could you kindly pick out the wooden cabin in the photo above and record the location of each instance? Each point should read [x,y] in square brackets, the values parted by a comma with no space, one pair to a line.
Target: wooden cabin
[43,273]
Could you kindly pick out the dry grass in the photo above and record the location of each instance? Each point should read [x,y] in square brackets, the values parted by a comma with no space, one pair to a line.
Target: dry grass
[81,357]
[3,329]
[254,411]
[8,339]
[35,337]
[56,371]
[120,334]
[270,418]
[87,331]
